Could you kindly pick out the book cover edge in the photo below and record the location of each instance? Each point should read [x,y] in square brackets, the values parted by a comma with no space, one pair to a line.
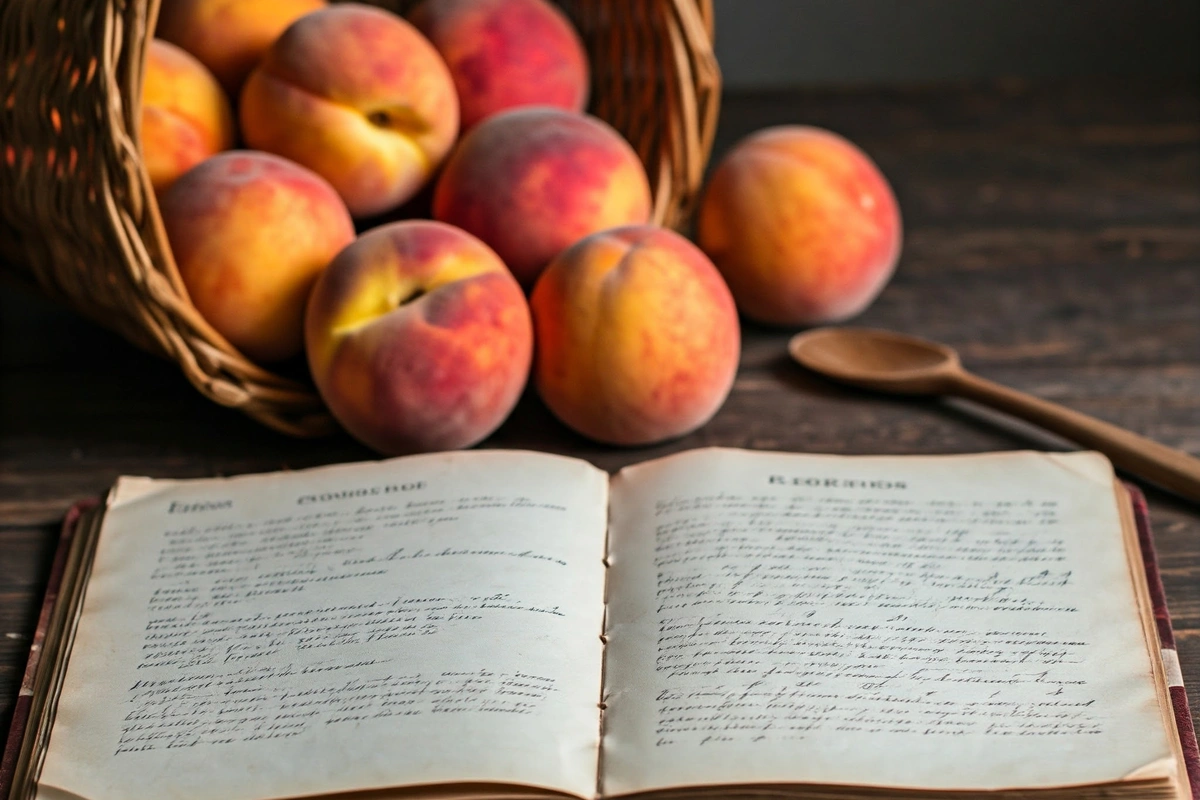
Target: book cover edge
[22,706]
[1166,636]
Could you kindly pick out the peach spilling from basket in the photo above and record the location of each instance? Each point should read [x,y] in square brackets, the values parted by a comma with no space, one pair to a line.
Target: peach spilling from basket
[533,181]
[250,233]
[802,224]
[185,115]
[229,36]
[360,97]
[418,338]
[638,336]
[506,53]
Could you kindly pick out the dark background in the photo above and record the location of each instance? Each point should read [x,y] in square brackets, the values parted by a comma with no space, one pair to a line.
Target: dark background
[771,43]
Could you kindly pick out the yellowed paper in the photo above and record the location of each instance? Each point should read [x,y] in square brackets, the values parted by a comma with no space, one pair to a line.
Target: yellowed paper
[423,620]
[938,623]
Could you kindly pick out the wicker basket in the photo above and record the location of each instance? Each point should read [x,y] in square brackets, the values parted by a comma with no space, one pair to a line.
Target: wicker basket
[78,218]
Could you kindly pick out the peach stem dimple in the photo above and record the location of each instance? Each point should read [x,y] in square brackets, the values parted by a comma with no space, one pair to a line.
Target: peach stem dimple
[400,118]
[416,294]
[383,305]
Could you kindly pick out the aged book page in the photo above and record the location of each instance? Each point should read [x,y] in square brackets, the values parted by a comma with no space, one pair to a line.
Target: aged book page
[426,620]
[922,622]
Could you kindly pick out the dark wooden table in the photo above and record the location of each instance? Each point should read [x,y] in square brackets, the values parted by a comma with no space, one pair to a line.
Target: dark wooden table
[1053,236]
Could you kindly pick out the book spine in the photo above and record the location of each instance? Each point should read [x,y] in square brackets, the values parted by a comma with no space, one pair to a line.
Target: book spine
[1166,638]
[25,696]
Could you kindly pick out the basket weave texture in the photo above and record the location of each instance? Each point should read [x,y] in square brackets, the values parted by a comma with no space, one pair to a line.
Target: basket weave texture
[79,219]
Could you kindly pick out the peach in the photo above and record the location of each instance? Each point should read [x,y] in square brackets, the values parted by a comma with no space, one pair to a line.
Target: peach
[802,225]
[532,181]
[357,95]
[506,53]
[418,338]
[229,36]
[637,336]
[185,115]
[250,233]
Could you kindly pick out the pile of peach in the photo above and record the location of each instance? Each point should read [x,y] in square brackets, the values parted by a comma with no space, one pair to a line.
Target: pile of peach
[540,259]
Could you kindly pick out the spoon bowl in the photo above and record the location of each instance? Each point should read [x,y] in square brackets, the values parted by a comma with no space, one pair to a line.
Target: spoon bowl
[875,359]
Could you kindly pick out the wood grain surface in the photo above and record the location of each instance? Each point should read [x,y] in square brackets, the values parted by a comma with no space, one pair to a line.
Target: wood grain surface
[1052,236]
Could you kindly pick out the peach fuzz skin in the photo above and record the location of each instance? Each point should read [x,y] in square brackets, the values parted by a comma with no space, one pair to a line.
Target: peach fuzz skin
[229,36]
[802,225]
[250,233]
[357,95]
[185,115]
[637,336]
[506,53]
[533,181]
[418,338]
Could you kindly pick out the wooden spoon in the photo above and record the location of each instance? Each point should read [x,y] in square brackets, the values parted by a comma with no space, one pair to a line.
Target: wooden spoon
[892,362]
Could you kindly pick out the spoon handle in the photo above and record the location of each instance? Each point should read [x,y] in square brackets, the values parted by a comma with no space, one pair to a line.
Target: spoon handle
[1137,455]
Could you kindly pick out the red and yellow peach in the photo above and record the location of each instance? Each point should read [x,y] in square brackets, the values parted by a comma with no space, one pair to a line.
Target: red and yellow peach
[637,336]
[802,224]
[506,53]
[185,114]
[229,36]
[418,338]
[250,233]
[357,95]
[532,181]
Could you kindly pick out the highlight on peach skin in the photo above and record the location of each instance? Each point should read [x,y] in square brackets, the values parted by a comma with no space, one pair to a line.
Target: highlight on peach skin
[418,338]
[229,36]
[185,115]
[250,233]
[637,336]
[506,53]
[532,181]
[802,224]
[360,97]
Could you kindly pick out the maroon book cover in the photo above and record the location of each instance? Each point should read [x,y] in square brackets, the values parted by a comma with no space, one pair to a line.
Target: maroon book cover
[1166,637]
[20,717]
[1183,717]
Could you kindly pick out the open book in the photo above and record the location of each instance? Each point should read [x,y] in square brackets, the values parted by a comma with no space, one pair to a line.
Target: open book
[516,625]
